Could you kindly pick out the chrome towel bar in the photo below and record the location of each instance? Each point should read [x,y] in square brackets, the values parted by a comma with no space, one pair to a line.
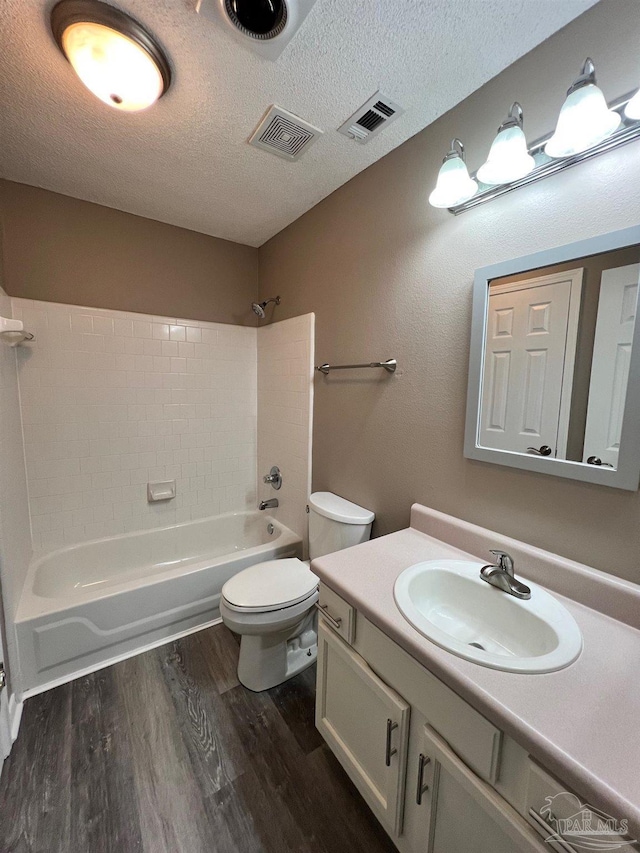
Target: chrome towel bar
[389,365]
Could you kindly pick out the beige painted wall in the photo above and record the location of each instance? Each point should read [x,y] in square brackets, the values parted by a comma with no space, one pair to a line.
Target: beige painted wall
[61,249]
[387,275]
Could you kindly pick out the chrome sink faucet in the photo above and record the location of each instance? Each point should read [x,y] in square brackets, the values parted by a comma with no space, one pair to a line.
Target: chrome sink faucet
[502,576]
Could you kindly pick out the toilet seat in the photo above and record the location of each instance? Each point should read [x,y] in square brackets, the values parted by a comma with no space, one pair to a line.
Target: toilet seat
[268,586]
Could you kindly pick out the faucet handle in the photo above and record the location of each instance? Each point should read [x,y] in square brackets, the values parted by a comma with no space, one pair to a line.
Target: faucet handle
[274,477]
[505,561]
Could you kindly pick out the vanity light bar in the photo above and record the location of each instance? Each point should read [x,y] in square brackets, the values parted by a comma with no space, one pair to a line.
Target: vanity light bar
[546,165]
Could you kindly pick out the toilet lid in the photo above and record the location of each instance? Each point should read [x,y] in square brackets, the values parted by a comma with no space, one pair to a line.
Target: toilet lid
[270,585]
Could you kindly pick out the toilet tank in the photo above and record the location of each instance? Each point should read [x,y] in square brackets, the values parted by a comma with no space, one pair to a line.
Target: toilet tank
[335,523]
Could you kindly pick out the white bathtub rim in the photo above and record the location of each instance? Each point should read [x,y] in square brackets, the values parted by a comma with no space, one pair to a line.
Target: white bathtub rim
[32,605]
[40,556]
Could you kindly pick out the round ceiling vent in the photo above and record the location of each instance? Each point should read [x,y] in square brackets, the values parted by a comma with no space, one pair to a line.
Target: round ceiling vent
[258,19]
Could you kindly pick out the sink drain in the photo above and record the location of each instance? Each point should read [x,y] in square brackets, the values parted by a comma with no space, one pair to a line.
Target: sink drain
[478,646]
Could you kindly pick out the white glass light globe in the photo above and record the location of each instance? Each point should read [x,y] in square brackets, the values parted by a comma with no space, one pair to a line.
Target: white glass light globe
[454,186]
[113,66]
[508,160]
[584,121]
[632,110]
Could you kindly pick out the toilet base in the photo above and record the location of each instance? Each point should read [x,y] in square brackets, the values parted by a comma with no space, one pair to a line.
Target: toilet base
[267,660]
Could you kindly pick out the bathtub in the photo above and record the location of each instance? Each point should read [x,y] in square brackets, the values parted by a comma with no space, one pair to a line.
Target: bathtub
[88,605]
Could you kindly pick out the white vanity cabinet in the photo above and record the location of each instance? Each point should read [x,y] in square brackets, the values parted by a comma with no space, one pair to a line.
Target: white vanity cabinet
[426,762]
[366,724]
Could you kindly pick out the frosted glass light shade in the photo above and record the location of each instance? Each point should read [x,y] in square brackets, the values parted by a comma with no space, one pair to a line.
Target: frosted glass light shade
[632,110]
[508,160]
[114,67]
[584,121]
[453,185]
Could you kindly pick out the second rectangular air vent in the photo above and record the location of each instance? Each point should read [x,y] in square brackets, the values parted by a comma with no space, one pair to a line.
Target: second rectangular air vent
[371,118]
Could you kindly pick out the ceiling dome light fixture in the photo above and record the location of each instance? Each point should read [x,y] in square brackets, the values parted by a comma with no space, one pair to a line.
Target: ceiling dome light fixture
[585,119]
[112,54]
[509,158]
[454,186]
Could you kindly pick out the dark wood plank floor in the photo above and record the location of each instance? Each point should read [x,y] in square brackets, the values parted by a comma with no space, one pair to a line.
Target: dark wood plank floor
[167,753]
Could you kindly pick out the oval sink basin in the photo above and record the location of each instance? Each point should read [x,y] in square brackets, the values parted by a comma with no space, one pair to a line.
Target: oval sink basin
[448,603]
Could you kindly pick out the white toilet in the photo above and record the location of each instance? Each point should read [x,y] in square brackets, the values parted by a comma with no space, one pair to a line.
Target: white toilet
[271,605]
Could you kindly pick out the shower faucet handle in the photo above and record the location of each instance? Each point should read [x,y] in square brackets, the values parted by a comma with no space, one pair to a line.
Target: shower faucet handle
[274,477]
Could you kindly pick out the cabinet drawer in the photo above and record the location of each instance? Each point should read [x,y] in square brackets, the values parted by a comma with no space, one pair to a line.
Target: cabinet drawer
[337,614]
[470,735]
[565,822]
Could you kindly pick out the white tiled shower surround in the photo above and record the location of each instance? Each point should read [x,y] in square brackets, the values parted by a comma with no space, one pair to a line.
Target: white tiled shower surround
[285,403]
[113,400]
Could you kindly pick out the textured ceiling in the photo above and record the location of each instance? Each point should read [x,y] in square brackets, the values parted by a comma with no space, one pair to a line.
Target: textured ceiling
[186,161]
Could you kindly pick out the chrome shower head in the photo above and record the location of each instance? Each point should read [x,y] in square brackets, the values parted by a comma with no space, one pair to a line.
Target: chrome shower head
[258,307]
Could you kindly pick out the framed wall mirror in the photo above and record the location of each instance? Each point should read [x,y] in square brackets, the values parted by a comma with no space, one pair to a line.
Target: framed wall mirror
[554,369]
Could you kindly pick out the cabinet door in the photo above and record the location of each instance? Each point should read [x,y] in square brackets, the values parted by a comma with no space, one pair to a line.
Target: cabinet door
[366,724]
[461,812]
[559,815]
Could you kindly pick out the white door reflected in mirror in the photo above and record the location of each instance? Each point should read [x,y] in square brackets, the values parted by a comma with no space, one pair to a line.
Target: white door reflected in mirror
[554,370]
[610,364]
[557,349]
[532,329]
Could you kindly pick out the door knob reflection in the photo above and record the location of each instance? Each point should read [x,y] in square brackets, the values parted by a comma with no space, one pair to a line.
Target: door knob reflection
[543,450]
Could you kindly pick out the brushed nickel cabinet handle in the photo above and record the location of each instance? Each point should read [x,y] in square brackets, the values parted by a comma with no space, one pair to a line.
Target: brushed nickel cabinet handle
[335,622]
[423,760]
[557,840]
[391,726]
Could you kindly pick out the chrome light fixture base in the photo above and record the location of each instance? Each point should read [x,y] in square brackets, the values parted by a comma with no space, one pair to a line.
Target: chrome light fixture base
[587,77]
[546,166]
[514,119]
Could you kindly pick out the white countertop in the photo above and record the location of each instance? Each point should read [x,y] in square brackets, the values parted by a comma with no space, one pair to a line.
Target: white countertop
[581,722]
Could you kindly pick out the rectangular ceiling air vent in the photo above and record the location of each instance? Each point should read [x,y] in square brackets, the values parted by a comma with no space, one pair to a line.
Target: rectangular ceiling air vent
[371,118]
[284,134]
